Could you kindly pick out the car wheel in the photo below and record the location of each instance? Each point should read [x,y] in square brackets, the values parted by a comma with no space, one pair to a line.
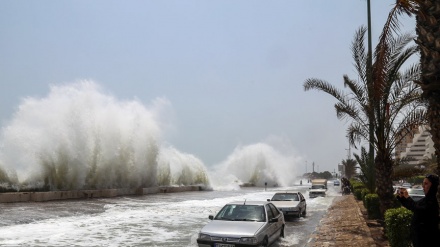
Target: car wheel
[282,232]
[304,212]
[265,242]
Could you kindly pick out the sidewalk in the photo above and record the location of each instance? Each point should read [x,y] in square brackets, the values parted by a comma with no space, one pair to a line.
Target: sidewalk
[343,225]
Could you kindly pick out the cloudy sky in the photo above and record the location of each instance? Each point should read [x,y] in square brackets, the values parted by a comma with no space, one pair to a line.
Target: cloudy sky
[232,70]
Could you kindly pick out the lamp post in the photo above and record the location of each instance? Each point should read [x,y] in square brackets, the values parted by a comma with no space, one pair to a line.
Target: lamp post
[306,166]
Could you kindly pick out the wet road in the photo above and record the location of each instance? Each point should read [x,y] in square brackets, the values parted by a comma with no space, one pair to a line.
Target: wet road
[172,219]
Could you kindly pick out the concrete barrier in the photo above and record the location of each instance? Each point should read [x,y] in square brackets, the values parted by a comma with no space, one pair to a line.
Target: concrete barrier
[9,197]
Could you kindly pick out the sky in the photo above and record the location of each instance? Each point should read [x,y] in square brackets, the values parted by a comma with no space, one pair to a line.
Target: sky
[233,71]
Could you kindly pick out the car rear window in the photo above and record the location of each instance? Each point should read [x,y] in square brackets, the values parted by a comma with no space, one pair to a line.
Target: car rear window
[285,197]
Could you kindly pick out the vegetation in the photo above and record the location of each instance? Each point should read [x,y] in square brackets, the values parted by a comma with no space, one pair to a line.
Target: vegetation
[428,41]
[396,98]
[357,188]
[323,175]
[430,164]
[367,175]
[372,203]
[349,168]
[397,223]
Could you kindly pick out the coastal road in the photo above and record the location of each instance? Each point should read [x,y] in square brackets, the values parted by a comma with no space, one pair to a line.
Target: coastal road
[171,219]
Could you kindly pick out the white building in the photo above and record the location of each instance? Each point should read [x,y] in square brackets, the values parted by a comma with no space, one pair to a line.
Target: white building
[420,148]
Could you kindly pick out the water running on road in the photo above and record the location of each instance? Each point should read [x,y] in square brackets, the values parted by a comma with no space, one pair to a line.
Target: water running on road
[152,220]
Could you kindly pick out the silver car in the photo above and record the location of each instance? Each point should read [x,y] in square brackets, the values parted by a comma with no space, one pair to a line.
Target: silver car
[291,203]
[246,223]
[416,194]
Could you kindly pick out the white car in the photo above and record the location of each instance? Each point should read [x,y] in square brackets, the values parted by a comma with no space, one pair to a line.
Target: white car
[291,203]
[416,194]
[248,223]
[406,185]
[317,190]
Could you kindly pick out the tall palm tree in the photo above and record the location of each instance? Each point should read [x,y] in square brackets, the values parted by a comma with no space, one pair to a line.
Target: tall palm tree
[395,107]
[427,14]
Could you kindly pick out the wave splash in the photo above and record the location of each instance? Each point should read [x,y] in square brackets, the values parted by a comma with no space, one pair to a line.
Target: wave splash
[270,163]
[80,138]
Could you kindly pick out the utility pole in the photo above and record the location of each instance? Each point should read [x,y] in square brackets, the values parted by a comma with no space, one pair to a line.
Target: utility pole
[370,84]
[349,152]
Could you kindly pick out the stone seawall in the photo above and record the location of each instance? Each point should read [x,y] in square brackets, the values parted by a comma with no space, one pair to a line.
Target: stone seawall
[84,194]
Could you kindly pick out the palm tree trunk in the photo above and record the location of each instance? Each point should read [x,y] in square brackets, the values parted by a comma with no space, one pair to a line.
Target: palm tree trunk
[428,40]
[434,123]
[384,169]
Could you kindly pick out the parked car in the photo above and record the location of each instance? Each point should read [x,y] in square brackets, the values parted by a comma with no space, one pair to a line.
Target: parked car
[291,203]
[245,223]
[416,194]
[406,185]
[336,183]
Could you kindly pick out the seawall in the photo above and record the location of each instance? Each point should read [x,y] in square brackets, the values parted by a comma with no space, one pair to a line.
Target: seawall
[10,197]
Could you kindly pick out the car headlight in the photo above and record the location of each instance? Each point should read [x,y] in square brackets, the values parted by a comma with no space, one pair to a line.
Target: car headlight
[248,240]
[203,236]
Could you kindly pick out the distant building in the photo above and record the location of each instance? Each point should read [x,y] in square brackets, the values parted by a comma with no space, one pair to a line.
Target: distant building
[417,146]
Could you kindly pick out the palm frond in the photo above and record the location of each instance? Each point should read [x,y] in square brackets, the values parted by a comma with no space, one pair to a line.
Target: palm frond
[324,86]
[359,53]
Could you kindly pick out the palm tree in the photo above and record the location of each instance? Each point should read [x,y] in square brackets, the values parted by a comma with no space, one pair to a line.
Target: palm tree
[368,174]
[349,168]
[428,38]
[391,102]
[430,164]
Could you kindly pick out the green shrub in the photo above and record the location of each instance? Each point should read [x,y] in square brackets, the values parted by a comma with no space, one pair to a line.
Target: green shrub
[364,192]
[357,187]
[397,225]
[372,204]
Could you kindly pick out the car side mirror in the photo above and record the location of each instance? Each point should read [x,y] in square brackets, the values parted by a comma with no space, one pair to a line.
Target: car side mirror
[211,217]
[273,220]
[268,200]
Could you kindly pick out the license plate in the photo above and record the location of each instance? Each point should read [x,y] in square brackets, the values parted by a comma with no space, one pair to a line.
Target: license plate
[224,245]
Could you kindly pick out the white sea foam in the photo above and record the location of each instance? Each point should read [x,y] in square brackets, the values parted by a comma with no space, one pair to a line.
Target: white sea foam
[81,137]
[270,163]
[141,222]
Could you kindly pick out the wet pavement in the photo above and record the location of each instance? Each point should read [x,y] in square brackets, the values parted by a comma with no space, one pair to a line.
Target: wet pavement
[343,225]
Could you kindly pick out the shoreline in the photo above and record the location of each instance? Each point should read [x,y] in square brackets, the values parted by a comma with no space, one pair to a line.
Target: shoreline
[11,197]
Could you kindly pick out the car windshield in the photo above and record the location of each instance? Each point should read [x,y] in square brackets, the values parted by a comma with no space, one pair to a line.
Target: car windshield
[234,212]
[318,187]
[285,197]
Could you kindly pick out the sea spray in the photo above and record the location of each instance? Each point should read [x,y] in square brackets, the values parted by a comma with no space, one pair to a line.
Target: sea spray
[272,162]
[175,167]
[77,137]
